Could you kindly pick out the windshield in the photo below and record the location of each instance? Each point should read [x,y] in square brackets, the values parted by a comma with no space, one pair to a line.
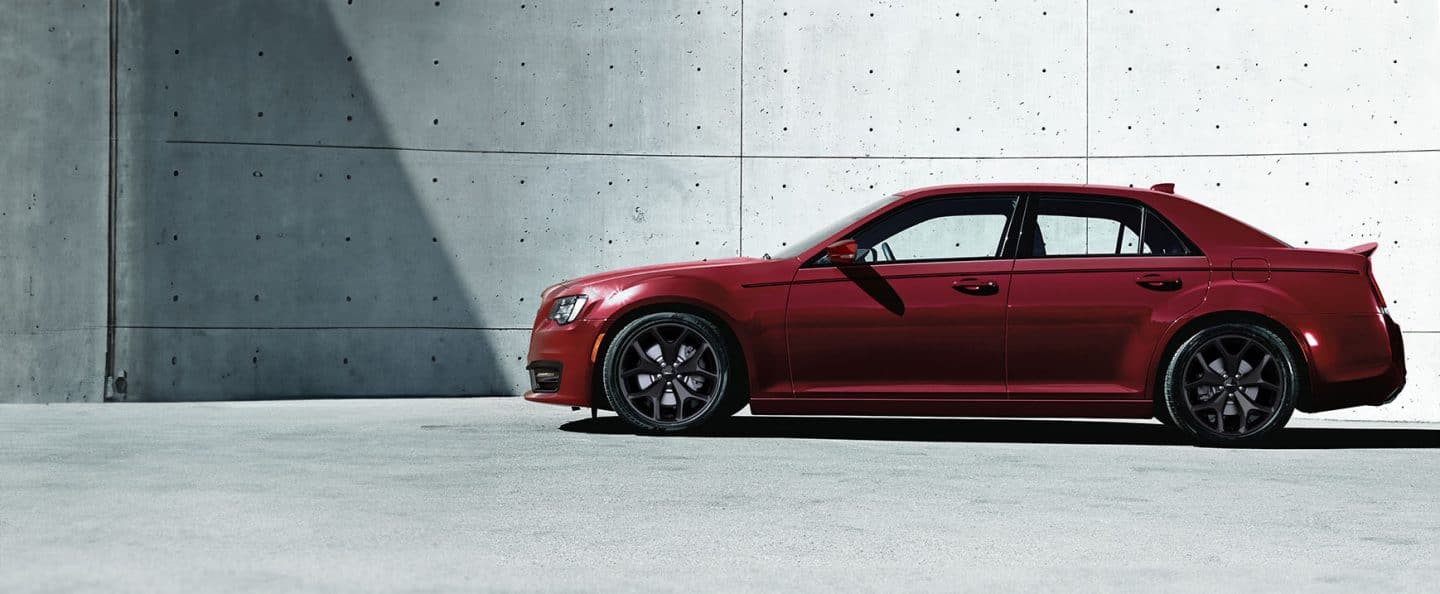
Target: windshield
[793,249]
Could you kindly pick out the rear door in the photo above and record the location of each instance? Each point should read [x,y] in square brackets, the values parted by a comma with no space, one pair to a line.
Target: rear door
[1096,282]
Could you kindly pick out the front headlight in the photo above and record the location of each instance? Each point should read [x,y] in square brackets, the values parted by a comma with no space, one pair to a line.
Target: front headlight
[567,308]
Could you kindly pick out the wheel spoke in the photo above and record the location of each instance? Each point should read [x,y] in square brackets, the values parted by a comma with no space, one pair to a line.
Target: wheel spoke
[1208,377]
[669,350]
[692,364]
[646,364]
[1252,377]
[1231,360]
[683,391]
[1216,404]
[654,390]
[1247,403]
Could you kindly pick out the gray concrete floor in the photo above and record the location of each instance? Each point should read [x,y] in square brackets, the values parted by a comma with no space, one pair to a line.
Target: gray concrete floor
[499,494]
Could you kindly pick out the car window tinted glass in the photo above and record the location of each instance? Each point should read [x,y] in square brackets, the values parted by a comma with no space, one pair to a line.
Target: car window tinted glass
[1085,227]
[1160,239]
[951,228]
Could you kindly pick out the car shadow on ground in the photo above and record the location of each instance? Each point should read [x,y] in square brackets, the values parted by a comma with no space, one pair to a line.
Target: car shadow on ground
[1020,431]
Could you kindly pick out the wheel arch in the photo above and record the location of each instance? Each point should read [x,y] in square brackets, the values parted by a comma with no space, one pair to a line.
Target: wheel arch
[1188,328]
[662,305]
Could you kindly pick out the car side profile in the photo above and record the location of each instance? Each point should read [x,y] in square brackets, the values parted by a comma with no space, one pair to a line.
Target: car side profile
[1009,300]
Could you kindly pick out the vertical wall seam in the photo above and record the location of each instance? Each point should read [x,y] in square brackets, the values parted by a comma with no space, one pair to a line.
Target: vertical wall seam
[740,249]
[1087,91]
[111,196]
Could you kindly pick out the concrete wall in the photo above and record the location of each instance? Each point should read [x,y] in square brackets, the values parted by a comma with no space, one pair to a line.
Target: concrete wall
[327,198]
[54,137]
[316,198]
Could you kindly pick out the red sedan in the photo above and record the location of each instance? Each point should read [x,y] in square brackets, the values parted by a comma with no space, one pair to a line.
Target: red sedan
[1016,300]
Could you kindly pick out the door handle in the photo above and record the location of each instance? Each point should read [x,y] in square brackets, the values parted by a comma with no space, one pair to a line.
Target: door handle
[975,286]
[1156,282]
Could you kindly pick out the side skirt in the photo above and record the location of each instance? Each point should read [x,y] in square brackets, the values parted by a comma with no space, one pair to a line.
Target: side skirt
[902,407]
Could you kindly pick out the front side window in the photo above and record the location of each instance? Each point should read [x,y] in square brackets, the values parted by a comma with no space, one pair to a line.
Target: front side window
[949,228]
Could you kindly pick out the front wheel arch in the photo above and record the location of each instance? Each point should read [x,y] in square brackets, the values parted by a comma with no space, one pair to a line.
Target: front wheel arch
[612,327]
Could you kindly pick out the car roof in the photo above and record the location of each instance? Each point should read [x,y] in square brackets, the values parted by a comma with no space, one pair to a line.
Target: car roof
[1030,187]
[1203,225]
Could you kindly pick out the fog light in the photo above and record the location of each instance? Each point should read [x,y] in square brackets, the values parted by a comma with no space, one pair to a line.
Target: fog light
[544,376]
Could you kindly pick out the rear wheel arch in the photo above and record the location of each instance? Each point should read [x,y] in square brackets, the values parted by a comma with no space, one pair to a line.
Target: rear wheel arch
[1207,320]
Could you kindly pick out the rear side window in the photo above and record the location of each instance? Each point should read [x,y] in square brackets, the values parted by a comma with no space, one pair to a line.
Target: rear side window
[1160,239]
[1067,227]
[1085,227]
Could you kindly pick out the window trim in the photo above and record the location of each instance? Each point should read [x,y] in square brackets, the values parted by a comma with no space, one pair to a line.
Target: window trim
[1009,238]
[1027,230]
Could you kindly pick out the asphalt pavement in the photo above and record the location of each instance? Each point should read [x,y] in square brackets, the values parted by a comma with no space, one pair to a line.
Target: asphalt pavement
[503,495]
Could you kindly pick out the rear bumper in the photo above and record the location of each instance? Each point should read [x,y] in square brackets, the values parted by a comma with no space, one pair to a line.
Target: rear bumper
[565,349]
[1357,361]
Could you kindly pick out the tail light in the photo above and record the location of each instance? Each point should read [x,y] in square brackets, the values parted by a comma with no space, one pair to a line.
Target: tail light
[1375,290]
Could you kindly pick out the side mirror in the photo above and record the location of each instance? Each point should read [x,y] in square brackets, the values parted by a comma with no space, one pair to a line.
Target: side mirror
[842,253]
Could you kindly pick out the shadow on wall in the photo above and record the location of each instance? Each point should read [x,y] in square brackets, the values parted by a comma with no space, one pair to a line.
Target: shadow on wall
[256,259]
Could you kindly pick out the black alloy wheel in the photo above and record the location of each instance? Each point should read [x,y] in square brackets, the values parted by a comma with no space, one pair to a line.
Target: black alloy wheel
[668,372]
[1231,384]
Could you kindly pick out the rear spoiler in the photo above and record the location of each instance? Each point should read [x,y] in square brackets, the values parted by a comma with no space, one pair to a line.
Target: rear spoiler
[1364,249]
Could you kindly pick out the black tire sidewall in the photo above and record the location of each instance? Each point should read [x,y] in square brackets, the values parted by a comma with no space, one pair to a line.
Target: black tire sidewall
[1184,418]
[610,380]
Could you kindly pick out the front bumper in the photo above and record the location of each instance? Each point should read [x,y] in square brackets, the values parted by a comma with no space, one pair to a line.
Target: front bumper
[567,350]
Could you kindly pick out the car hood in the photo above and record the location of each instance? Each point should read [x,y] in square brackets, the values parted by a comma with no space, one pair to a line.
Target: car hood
[633,274]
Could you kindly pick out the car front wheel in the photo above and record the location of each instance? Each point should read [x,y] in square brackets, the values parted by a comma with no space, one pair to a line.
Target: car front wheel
[1231,384]
[669,372]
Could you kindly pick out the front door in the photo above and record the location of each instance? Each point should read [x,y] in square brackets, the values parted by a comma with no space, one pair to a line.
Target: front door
[921,315]
[1089,299]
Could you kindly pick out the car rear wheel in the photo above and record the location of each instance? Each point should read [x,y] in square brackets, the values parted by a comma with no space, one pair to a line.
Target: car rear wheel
[1231,384]
[669,372]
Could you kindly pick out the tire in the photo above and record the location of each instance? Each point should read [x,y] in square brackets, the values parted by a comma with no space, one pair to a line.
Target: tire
[1231,385]
[672,372]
